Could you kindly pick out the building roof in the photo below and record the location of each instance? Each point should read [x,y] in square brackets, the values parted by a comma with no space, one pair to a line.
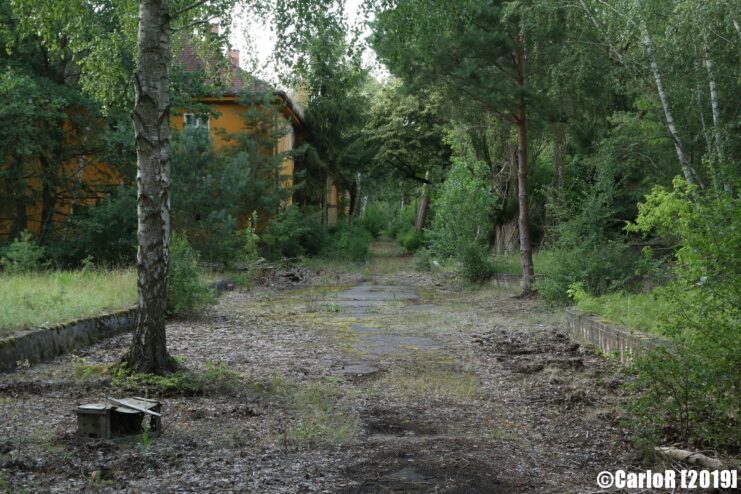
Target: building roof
[233,81]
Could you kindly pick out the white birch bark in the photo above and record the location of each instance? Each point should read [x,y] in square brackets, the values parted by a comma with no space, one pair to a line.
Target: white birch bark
[715,107]
[689,172]
[148,351]
[713,100]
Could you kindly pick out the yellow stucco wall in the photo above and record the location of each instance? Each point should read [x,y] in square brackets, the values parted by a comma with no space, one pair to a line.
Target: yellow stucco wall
[228,119]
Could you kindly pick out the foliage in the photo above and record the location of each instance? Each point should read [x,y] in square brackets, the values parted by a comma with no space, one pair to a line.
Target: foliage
[411,239]
[22,255]
[423,259]
[249,252]
[320,50]
[104,233]
[375,219]
[401,220]
[50,297]
[347,242]
[642,311]
[225,188]
[186,292]
[217,379]
[407,133]
[692,390]
[598,266]
[292,233]
[465,206]
[476,264]
[589,248]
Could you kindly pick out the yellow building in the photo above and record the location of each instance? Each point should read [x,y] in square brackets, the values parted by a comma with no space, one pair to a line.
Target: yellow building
[86,180]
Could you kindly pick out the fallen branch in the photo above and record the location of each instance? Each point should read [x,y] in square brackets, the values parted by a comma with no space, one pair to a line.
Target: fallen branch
[690,457]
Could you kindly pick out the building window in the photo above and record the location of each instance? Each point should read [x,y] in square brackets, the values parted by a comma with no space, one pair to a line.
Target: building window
[193,120]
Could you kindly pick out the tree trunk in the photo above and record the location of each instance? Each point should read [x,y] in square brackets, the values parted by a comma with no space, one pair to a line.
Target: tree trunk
[424,201]
[715,107]
[526,251]
[690,174]
[148,352]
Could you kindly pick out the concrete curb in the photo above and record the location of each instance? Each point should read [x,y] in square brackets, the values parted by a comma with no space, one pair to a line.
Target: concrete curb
[39,344]
[610,338]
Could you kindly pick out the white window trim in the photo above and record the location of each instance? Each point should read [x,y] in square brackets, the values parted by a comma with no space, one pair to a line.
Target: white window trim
[196,118]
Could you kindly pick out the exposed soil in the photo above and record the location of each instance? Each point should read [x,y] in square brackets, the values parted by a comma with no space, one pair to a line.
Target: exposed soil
[389,381]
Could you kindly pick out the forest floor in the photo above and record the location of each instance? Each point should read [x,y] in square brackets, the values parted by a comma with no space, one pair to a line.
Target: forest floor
[384,381]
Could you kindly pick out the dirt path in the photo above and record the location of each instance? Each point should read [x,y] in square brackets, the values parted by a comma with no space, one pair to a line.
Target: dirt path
[386,381]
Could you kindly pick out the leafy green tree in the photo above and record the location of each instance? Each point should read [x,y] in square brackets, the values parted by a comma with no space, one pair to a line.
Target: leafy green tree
[140,32]
[216,192]
[323,63]
[486,51]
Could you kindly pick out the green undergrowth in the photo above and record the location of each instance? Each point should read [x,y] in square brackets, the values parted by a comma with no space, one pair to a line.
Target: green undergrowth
[217,379]
[43,298]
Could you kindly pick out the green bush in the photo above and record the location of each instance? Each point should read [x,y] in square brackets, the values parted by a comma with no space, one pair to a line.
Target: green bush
[599,266]
[691,392]
[248,253]
[423,259]
[22,255]
[105,232]
[476,264]
[217,379]
[347,242]
[375,219]
[186,292]
[411,239]
[465,208]
[401,220]
[293,233]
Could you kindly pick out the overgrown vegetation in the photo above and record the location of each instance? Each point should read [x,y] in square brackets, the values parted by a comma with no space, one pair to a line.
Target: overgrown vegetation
[187,293]
[217,379]
[692,390]
[47,298]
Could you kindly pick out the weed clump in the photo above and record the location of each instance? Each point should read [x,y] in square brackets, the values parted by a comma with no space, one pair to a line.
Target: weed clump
[216,380]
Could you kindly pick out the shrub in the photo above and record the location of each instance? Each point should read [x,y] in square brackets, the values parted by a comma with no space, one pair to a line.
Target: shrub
[375,219]
[248,253]
[186,292]
[22,255]
[464,210]
[401,220]
[106,232]
[347,242]
[692,391]
[292,233]
[411,239]
[217,379]
[476,264]
[599,266]
[423,259]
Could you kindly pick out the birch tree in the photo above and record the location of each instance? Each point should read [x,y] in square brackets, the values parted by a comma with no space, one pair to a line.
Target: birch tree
[148,351]
[90,32]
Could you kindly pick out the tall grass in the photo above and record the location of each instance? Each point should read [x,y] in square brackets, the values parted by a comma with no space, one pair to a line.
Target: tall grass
[37,299]
[641,311]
